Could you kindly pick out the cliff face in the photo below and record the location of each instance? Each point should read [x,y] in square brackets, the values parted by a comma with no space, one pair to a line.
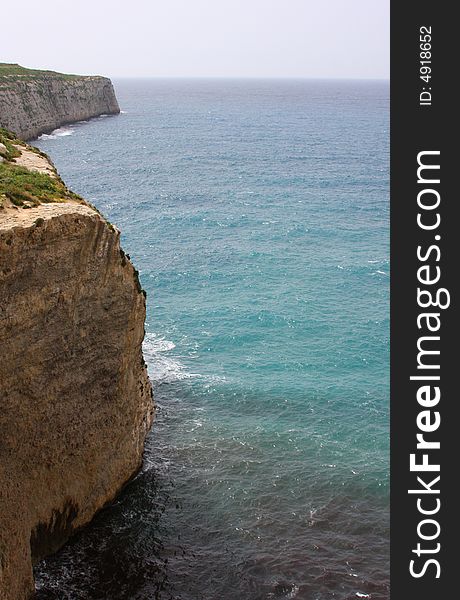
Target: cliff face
[32,103]
[75,399]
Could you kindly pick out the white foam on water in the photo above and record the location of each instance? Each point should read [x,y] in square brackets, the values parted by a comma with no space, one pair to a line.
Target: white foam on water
[163,367]
[57,133]
[360,595]
[166,367]
[162,345]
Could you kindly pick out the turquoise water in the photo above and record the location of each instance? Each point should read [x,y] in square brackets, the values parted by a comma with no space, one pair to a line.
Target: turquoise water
[258,215]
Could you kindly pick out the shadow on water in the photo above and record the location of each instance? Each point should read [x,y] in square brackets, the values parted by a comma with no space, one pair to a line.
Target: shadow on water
[119,555]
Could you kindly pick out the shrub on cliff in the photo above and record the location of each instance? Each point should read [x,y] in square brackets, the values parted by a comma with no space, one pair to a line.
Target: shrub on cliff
[6,141]
[22,186]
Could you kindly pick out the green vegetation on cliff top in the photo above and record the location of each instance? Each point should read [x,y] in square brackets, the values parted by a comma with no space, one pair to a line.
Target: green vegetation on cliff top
[24,187]
[14,70]
[8,139]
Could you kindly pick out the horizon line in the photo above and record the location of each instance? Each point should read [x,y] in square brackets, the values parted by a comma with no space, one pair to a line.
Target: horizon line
[251,77]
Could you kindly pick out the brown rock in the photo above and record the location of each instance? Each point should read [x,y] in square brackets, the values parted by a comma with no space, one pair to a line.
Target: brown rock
[75,399]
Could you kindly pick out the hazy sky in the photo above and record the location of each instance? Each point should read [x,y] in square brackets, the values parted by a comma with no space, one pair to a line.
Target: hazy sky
[196,38]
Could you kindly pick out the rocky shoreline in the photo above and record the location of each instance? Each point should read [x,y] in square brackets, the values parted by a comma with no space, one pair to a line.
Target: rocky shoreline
[37,102]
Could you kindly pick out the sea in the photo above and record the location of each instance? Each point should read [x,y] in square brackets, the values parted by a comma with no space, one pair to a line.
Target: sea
[257,212]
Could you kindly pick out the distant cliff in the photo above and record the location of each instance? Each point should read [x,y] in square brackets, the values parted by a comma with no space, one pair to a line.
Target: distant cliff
[35,102]
[75,398]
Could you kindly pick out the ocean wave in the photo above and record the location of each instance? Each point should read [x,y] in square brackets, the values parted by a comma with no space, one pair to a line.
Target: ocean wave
[57,133]
[163,367]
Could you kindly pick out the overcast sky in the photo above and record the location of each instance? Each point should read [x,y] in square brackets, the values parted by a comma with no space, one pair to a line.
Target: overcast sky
[200,38]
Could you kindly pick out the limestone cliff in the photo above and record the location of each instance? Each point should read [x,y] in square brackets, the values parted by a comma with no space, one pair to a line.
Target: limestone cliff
[35,102]
[75,399]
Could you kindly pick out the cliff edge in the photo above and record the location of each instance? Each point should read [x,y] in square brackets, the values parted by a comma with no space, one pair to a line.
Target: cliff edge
[34,102]
[75,398]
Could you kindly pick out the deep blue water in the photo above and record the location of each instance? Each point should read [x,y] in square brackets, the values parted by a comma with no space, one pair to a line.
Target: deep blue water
[258,215]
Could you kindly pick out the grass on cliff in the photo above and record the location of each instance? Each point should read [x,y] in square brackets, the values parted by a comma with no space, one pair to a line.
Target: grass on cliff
[12,69]
[29,188]
[7,139]
[24,187]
